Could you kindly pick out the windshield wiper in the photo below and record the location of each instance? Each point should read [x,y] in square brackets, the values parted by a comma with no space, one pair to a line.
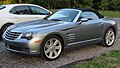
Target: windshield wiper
[55,20]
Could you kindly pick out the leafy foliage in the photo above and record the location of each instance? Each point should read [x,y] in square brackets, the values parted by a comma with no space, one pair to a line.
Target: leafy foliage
[57,4]
[5,1]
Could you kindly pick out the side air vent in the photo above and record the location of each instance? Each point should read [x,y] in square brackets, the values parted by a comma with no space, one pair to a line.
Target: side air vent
[71,37]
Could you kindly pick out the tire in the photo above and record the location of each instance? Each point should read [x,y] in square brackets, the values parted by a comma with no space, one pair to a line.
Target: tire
[51,50]
[3,29]
[109,38]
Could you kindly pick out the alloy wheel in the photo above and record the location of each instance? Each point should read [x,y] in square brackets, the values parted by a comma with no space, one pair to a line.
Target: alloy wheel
[110,37]
[52,48]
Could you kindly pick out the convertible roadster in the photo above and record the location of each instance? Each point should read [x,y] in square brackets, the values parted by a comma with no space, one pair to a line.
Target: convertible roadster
[64,29]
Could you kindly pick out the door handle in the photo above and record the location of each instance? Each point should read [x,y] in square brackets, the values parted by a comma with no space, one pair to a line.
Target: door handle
[101,23]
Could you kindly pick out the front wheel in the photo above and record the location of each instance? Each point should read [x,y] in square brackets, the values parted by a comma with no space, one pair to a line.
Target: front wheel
[3,29]
[52,48]
[109,38]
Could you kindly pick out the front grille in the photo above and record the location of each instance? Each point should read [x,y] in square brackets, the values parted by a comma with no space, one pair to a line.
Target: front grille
[12,35]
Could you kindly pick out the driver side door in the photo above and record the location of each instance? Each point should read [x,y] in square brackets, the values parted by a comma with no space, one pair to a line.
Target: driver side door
[89,30]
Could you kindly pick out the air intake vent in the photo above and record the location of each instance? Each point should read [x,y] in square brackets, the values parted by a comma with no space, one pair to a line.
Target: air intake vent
[71,37]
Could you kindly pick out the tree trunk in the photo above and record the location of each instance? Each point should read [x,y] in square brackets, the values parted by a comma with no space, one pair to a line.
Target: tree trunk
[20,1]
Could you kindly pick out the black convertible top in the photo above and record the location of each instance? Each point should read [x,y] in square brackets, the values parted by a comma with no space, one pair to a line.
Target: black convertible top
[91,10]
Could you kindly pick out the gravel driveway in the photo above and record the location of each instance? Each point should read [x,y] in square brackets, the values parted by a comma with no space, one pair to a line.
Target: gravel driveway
[13,60]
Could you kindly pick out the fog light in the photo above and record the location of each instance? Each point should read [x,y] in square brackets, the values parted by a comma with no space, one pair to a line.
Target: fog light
[27,49]
[33,51]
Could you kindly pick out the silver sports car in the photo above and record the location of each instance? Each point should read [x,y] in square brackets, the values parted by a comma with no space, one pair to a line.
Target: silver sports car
[64,29]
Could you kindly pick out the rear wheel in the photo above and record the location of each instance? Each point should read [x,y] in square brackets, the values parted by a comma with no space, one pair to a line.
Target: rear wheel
[109,38]
[52,48]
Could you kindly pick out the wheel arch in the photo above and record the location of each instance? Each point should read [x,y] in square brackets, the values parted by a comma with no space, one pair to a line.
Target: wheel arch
[42,53]
[103,37]
[57,34]
[113,29]
[107,29]
[1,29]
[6,24]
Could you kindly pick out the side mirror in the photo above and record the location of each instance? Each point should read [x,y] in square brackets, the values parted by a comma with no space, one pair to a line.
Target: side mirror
[84,19]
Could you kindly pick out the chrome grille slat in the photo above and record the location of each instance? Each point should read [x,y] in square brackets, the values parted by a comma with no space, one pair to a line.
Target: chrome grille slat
[11,35]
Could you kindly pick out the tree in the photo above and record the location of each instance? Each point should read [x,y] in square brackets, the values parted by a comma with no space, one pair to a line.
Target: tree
[5,1]
[20,1]
[104,5]
[114,5]
[58,4]
[96,4]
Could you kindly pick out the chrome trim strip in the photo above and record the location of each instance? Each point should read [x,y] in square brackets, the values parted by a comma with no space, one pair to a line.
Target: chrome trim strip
[83,41]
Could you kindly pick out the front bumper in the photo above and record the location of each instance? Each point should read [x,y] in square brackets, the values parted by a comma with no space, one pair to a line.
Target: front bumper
[23,52]
[23,46]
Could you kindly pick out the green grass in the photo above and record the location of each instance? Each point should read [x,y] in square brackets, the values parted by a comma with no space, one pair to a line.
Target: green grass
[110,60]
[115,14]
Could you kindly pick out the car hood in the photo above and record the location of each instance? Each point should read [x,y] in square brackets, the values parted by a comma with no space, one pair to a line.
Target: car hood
[34,25]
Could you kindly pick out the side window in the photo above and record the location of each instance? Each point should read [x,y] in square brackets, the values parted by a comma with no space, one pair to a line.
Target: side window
[20,10]
[89,15]
[38,11]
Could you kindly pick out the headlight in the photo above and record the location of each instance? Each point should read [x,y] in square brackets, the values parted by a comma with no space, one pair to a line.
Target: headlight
[28,35]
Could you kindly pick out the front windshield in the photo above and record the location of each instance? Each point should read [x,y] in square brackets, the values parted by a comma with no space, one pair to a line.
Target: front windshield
[63,15]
